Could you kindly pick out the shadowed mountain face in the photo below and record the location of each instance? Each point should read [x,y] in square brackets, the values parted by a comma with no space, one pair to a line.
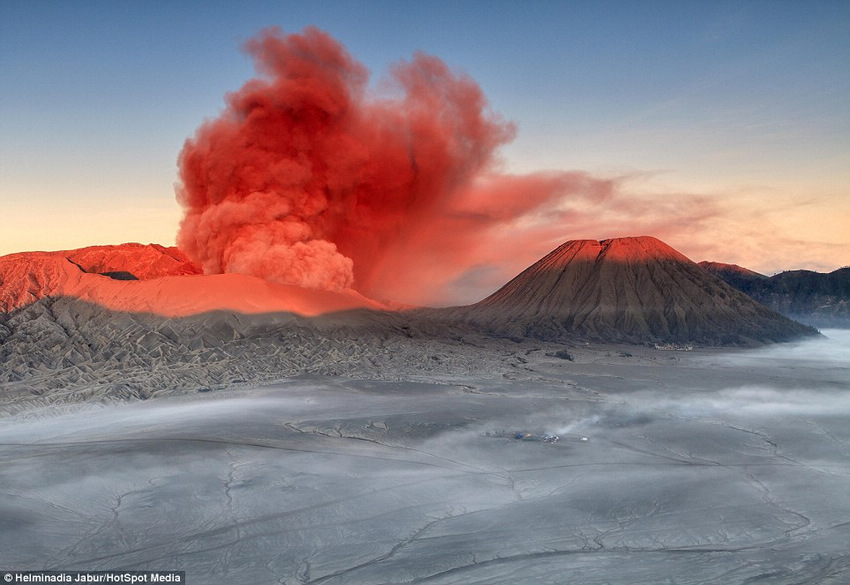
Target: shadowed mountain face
[738,276]
[636,290]
[822,300]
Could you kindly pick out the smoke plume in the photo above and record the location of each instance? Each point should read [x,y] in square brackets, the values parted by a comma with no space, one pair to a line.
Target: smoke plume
[310,177]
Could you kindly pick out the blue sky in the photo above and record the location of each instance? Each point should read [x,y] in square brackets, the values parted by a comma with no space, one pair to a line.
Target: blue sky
[745,103]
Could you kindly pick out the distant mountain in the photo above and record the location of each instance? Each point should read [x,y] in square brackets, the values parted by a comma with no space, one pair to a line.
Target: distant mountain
[819,299]
[635,290]
[737,276]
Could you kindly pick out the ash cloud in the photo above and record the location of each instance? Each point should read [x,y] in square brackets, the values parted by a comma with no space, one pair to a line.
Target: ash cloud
[306,180]
[311,177]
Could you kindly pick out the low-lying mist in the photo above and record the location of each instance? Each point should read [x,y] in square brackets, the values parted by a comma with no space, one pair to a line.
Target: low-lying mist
[737,461]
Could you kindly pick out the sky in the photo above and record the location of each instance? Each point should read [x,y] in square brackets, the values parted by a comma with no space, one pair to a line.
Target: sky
[724,127]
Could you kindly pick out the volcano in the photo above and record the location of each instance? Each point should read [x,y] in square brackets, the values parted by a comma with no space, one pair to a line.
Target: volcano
[154,279]
[634,290]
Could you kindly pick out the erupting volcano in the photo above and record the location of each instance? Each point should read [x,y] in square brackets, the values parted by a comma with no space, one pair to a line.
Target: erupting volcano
[310,177]
[314,192]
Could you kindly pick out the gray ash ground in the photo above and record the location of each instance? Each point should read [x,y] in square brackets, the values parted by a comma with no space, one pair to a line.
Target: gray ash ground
[700,467]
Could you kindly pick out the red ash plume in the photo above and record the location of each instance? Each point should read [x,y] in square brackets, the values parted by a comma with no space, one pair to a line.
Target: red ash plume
[308,179]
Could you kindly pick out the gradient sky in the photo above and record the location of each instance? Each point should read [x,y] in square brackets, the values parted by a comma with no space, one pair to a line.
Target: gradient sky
[738,110]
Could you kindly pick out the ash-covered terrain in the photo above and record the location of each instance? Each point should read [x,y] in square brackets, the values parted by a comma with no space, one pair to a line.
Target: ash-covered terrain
[708,466]
[248,432]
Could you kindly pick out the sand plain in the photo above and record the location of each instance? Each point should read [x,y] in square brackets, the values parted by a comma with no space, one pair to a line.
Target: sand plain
[709,466]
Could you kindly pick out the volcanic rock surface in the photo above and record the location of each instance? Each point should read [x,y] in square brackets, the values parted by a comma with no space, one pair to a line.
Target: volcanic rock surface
[65,350]
[636,290]
[815,298]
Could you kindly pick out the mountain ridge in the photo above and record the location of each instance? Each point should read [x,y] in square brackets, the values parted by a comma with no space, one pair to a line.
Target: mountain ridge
[816,298]
[622,290]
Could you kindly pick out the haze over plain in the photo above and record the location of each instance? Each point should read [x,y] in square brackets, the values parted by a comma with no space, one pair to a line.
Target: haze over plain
[401,466]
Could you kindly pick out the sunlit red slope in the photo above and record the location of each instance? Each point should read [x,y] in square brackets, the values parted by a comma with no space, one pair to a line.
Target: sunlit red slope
[165,283]
[141,261]
[627,289]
